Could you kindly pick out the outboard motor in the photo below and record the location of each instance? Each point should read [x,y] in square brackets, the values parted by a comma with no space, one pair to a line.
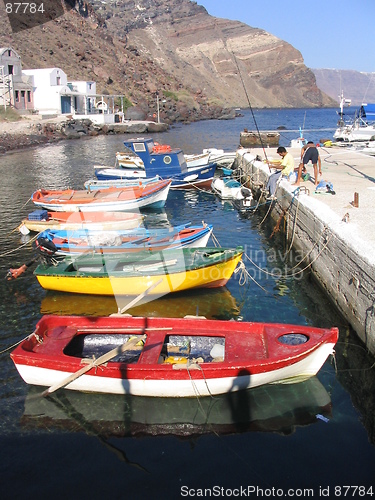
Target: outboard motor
[246,192]
[45,248]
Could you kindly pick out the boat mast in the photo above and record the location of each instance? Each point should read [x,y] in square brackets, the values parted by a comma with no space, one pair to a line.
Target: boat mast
[342,102]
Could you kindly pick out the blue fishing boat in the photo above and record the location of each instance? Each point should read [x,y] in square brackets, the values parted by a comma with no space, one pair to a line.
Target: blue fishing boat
[163,161]
[62,242]
[94,184]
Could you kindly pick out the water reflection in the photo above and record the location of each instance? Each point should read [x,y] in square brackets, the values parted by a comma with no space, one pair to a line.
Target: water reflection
[213,304]
[271,408]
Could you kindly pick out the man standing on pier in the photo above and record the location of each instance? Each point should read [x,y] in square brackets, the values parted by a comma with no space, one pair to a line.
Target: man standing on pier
[309,152]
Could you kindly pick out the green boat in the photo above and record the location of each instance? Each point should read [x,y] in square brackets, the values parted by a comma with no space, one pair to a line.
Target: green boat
[132,274]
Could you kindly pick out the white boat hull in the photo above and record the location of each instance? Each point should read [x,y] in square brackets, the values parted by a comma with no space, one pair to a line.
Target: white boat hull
[352,133]
[154,200]
[297,372]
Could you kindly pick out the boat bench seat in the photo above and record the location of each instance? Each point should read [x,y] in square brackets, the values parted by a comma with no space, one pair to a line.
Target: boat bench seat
[58,336]
[151,350]
[239,347]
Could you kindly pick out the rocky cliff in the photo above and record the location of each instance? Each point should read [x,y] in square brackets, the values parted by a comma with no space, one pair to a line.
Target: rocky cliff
[198,64]
[357,86]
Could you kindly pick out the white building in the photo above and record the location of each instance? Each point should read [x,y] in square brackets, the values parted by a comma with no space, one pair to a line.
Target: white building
[54,94]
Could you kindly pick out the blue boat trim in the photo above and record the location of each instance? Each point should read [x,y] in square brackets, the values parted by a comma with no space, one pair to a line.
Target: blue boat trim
[167,165]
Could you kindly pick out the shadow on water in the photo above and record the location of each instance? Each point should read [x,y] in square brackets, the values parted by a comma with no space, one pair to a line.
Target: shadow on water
[279,408]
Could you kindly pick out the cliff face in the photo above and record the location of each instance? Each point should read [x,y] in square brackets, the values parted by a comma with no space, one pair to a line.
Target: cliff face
[199,64]
[357,86]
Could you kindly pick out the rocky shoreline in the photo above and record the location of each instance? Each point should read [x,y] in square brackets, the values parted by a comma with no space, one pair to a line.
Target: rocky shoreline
[24,134]
[33,130]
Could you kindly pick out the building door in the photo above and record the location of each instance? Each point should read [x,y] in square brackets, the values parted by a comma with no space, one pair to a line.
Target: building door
[65,104]
[22,100]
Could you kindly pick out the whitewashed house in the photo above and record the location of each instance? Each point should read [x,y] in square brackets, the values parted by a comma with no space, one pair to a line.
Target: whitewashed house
[53,94]
[16,88]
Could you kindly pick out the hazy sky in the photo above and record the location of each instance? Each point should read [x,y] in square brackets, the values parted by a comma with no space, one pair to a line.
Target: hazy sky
[335,34]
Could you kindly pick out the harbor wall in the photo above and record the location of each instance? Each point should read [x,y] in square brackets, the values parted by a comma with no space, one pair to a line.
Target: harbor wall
[341,263]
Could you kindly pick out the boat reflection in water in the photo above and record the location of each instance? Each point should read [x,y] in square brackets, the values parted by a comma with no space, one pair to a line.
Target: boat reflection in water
[277,408]
[216,303]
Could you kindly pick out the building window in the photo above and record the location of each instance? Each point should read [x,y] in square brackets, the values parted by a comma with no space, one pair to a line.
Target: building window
[9,53]
[10,69]
[17,95]
[58,80]
[28,96]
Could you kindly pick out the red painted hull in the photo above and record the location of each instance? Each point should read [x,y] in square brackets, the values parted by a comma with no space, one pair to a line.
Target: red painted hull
[255,354]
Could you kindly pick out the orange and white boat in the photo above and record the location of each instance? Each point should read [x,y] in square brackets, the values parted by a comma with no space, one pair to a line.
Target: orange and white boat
[41,220]
[153,195]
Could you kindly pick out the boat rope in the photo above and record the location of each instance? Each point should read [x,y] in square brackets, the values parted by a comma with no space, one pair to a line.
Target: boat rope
[215,240]
[250,106]
[244,275]
[24,205]
[21,246]
[16,344]
[294,229]
[292,275]
[194,364]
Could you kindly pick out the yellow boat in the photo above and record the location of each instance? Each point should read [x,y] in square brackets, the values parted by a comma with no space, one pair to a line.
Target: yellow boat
[132,274]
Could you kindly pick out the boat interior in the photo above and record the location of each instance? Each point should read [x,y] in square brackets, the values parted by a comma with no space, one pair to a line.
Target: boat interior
[172,349]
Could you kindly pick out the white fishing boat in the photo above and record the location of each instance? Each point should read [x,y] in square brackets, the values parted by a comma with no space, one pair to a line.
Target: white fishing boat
[361,127]
[211,155]
[228,188]
[111,199]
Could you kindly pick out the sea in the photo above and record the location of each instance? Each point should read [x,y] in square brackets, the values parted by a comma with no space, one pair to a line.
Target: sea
[311,439]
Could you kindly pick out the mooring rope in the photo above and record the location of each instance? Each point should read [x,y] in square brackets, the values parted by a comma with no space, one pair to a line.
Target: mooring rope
[268,273]
[31,240]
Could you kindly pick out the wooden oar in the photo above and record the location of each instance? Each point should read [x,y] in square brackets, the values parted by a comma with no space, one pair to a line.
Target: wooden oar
[107,356]
[140,297]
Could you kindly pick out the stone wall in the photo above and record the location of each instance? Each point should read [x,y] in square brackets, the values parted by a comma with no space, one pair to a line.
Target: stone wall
[343,266]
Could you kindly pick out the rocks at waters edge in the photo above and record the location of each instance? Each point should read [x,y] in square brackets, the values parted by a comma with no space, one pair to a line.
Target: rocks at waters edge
[22,135]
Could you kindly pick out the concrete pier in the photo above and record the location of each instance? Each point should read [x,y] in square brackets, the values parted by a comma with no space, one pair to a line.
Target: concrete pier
[335,231]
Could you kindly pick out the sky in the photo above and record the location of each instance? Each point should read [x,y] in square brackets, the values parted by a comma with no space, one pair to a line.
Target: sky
[330,34]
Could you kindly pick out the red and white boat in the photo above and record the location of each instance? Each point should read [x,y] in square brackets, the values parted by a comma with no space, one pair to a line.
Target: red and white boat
[168,357]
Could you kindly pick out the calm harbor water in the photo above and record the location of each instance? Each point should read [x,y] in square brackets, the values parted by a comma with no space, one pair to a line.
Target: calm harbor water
[287,440]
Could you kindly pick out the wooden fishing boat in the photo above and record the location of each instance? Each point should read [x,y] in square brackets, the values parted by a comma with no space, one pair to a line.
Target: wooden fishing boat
[112,242]
[281,408]
[168,357]
[41,220]
[131,273]
[94,184]
[228,188]
[249,139]
[165,162]
[112,199]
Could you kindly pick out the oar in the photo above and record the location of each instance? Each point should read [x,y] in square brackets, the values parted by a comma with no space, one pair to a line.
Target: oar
[137,299]
[107,356]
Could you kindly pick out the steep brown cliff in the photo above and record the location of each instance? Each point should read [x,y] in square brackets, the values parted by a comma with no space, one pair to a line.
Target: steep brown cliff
[198,64]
